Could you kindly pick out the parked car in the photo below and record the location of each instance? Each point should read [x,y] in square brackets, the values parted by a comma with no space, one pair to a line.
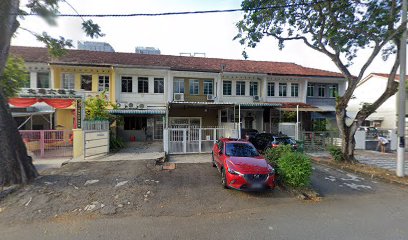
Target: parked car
[241,166]
[263,141]
[248,134]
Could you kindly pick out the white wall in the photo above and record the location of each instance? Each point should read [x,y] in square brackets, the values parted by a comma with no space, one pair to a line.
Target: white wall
[369,91]
[149,98]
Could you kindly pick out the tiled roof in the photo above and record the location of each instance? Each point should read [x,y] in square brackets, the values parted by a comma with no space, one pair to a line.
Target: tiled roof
[181,63]
[294,104]
[397,76]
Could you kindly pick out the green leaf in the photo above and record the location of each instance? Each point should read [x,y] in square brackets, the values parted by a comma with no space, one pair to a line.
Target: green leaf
[92,29]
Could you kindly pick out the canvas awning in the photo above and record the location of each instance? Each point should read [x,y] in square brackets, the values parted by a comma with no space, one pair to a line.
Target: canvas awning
[303,107]
[138,111]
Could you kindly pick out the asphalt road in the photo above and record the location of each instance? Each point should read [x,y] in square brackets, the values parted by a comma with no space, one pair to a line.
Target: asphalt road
[352,208]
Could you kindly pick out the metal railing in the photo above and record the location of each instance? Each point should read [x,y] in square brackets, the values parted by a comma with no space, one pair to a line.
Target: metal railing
[48,143]
[319,141]
[95,125]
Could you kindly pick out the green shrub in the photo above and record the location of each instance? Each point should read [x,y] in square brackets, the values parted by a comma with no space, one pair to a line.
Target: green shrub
[336,153]
[116,143]
[273,154]
[295,169]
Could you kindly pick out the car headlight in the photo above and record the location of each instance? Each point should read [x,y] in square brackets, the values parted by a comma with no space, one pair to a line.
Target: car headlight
[233,172]
[272,172]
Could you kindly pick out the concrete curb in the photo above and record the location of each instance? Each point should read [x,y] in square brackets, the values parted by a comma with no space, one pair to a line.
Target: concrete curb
[364,169]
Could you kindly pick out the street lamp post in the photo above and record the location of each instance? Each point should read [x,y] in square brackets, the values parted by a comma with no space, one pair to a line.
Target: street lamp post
[401,96]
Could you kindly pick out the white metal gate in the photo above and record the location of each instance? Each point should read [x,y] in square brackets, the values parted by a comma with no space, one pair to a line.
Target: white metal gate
[96,144]
[193,140]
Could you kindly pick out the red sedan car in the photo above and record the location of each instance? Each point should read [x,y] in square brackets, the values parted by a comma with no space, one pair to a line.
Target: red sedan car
[241,166]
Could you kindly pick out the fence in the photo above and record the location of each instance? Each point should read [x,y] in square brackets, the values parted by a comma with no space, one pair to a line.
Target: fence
[319,141]
[48,143]
[95,125]
[193,140]
[96,144]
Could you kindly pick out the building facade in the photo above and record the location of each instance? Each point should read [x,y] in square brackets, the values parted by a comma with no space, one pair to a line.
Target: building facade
[153,92]
[369,90]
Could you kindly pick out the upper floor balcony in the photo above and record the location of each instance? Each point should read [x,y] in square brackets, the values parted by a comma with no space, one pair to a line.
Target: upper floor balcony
[322,94]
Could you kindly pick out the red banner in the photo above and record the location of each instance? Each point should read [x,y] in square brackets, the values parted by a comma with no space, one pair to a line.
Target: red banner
[27,102]
[58,103]
[23,102]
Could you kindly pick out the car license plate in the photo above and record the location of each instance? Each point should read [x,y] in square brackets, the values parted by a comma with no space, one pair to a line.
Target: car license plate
[257,185]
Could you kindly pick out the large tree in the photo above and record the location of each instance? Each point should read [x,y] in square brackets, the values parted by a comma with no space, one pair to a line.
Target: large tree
[338,29]
[16,166]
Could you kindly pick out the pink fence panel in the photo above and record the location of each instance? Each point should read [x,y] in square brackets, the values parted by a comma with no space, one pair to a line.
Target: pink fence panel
[48,143]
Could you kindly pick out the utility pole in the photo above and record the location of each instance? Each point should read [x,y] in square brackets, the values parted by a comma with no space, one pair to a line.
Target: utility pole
[401,96]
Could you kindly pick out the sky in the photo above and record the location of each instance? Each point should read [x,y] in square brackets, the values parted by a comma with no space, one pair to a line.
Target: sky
[211,34]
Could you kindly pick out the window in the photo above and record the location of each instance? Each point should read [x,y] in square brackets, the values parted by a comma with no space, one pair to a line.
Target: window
[68,81]
[253,88]
[43,80]
[126,84]
[310,90]
[135,123]
[282,89]
[142,85]
[158,85]
[86,82]
[178,86]
[294,89]
[320,90]
[194,87]
[208,87]
[271,89]
[103,83]
[240,88]
[333,91]
[227,88]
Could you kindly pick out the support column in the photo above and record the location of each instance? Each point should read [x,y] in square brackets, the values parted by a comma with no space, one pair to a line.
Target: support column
[78,144]
[169,87]
[218,81]
[264,88]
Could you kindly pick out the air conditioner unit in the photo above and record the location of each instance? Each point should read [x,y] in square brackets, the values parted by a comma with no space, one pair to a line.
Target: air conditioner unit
[179,97]
[210,97]
[257,98]
[141,106]
[132,105]
[121,105]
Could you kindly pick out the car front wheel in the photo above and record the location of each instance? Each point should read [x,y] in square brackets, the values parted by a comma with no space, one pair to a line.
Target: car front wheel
[212,160]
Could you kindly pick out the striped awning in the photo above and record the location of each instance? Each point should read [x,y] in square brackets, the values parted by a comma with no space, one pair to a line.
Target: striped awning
[254,104]
[138,111]
[260,104]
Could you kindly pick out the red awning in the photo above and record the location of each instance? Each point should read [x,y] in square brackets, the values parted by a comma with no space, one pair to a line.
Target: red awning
[27,102]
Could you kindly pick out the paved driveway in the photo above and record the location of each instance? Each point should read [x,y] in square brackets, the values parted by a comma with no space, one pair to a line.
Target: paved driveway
[189,203]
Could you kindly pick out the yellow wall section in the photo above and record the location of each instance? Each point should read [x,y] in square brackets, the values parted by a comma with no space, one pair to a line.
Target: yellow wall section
[64,118]
[95,79]
[79,70]
[57,77]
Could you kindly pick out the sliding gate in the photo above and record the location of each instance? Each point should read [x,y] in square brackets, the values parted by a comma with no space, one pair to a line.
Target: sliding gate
[193,140]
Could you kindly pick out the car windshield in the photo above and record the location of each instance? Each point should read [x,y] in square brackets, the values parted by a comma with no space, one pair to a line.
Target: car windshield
[240,150]
[285,140]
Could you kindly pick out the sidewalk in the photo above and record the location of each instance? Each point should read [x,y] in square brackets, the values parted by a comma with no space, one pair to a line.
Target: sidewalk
[386,161]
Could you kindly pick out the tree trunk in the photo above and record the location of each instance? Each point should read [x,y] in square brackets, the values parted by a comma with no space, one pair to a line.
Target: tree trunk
[347,134]
[16,166]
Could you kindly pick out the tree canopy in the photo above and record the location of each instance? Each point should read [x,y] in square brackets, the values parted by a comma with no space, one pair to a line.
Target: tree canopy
[15,76]
[338,29]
